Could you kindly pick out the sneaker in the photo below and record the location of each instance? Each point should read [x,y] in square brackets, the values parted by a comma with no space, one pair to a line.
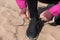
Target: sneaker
[53,24]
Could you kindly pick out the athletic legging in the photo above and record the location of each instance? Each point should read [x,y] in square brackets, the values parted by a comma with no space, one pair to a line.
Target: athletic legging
[32,6]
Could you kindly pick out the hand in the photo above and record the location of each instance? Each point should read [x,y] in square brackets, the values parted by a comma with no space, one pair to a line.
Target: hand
[42,16]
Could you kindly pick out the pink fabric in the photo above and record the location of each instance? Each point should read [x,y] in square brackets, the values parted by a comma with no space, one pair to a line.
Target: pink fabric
[55,10]
[21,3]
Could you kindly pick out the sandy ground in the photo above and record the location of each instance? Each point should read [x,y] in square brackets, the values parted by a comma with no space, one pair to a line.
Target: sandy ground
[11,28]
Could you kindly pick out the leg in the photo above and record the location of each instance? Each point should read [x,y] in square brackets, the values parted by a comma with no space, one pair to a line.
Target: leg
[32,6]
[50,1]
[32,28]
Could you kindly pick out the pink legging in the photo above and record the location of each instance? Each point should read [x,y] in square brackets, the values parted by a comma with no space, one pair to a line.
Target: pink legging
[55,10]
[21,3]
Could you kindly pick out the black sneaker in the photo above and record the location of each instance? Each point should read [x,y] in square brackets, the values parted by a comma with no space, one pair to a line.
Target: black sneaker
[32,29]
[53,24]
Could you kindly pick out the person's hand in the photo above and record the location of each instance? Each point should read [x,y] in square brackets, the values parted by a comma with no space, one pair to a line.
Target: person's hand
[46,15]
[42,16]
[24,14]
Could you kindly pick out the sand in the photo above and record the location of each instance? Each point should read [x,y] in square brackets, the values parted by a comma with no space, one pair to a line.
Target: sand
[11,28]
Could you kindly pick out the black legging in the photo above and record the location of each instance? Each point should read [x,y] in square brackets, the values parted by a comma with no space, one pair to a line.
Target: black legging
[32,6]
